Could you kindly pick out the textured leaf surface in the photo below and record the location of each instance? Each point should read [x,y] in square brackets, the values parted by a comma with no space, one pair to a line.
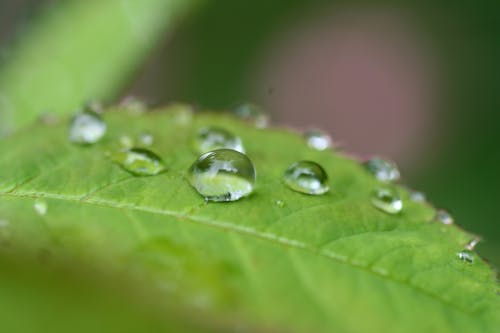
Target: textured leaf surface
[320,263]
[80,50]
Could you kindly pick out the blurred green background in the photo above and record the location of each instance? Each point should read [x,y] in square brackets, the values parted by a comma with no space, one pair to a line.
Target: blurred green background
[414,81]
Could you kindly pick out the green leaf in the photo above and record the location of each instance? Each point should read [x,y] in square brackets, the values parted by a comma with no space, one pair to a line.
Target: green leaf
[315,264]
[80,50]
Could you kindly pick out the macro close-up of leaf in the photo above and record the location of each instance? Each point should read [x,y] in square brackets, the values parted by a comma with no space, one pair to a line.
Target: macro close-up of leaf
[275,261]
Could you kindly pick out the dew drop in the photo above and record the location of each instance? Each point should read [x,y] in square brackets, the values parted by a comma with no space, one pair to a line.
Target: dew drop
[254,113]
[146,138]
[472,244]
[126,141]
[212,138]
[466,256]
[40,206]
[306,177]
[317,139]
[222,175]
[383,170]
[139,161]
[387,200]
[444,217]
[279,203]
[134,105]
[417,196]
[86,127]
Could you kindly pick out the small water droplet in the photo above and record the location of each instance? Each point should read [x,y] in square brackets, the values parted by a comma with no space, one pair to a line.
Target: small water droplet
[86,127]
[222,175]
[466,256]
[139,161]
[383,170]
[444,217]
[94,106]
[146,138]
[280,203]
[133,105]
[40,206]
[317,139]
[4,223]
[307,177]
[126,141]
[472,244]
[417,196]
[387,200]
[212,138]
[254,113]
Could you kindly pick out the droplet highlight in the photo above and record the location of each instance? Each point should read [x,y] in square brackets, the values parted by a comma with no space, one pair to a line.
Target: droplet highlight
[383,170]
[317,139]
[222,175]
[387,200]
[213,138]
[307,177]
[466,256]
[442,216]
[41,207]
[252,112]
[139,161]
[86,127]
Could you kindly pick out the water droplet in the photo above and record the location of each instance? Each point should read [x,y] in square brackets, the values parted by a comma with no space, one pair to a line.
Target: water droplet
[146,138]
[280,203]
[383,170]
[40,206]
[306,177]
[212,138]
[254,113]
[317,139]
[134,105]
[94,106]
[126,141]
[472,244]
[444,217]
[466,256]
[139,161]
[222,175]
[387,200]
[86,127]
[417,196]
[4,223]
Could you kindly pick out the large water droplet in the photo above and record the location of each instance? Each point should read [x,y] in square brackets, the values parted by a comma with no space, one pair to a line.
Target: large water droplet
[306,177]
[417,196]
[466,256]
[387,200]
[139,161]
[254,113]
[40,206]
[86,127]
[146,138]
[317,139]
[383,170]
[222,175]
[212,138]
[444,217]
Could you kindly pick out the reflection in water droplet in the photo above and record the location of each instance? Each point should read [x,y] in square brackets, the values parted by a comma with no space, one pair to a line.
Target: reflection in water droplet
[383,170]
[126,141]
[280,203]
[466,256]
[306,177]
[317,139]
[40,206]
[86,127]
[254,113]
[139,161]
[212,138]
[387,200]
[444,217]
[417,196]
[472,244]
[222,175]
[146,138]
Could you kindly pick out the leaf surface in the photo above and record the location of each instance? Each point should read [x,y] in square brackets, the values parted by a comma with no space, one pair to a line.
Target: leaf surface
[318,263]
